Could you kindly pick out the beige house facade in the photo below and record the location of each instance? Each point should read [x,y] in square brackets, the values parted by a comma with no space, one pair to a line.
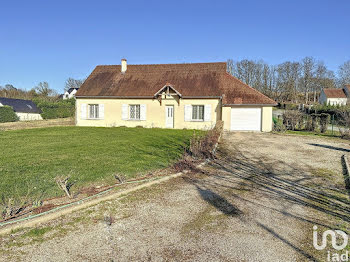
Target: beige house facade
[191,96]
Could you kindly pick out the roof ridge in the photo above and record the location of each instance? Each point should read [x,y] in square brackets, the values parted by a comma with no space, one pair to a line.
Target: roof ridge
[202,63]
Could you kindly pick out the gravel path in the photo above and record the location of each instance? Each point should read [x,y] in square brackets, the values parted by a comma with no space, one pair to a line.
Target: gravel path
[257,201]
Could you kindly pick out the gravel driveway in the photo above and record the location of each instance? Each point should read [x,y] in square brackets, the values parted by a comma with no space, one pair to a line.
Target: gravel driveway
[258,201]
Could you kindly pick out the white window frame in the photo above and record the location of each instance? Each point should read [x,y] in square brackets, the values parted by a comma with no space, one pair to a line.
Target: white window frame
[137,116]
[198,119]
[94,111]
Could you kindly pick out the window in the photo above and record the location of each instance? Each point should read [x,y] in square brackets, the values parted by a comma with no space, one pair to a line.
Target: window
[198,113]
[93,111]
[134,112]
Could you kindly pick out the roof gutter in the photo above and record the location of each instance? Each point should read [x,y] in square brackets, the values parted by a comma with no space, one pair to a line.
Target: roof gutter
[142,97]
[230,105]
[146,97]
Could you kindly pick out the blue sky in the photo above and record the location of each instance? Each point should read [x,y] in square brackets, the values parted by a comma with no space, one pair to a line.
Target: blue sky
[50,41]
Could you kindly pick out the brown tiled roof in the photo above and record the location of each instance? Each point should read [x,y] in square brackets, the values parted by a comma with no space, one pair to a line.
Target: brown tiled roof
[190,80]
[334,93]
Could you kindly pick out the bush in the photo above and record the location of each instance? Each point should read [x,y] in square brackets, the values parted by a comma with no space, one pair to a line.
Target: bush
[291,119]
[314,124]
[56,109]
[324,120]
[7,114]
[202,147]
[328,109]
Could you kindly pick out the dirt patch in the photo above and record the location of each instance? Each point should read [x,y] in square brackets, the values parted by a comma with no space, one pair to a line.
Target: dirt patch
[37,124]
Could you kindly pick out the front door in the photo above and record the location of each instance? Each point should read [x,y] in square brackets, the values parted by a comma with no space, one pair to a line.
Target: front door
[169,116]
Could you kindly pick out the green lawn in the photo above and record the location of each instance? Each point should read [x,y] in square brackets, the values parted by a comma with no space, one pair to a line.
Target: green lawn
[31,159]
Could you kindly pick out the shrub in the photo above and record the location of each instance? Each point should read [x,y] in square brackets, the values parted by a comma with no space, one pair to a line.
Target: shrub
[204,146]
[314,124]
[291,119]
[56,109]
[324,120]
[329,109]
[345,122]
[279,127]
[291,106]
[308,124]
[7,114]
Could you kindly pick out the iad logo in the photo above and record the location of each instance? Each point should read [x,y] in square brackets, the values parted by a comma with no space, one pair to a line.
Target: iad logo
[332,256]
[333,235]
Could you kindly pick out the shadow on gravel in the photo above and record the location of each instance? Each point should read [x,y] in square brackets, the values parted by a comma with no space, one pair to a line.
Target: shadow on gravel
[300,251]
[282,182]
[346,175]
[218,202]
[331,147]
[275,180]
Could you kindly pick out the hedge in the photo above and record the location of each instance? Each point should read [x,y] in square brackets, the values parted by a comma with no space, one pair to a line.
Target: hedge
[7,114]
[56,109]
[328,109]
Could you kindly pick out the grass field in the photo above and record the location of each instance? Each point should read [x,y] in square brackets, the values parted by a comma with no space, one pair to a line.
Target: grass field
[31,159]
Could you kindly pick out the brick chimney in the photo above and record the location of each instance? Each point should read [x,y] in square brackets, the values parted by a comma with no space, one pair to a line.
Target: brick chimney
[124,65]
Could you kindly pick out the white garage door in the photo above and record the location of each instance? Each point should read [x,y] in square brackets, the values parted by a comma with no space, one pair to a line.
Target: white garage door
[246,119]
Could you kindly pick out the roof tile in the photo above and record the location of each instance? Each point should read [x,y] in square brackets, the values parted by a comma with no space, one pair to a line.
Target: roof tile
[190,80]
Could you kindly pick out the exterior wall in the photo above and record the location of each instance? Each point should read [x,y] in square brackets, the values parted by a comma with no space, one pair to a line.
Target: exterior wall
[336,101]
[323,98]
[266,118]
[155,113]
[69,95]
[28,116]
[226,117]
[332,101]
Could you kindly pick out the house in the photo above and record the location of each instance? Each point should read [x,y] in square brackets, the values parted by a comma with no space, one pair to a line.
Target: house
[335,96]
[192,96]
[70,93]
[26,110]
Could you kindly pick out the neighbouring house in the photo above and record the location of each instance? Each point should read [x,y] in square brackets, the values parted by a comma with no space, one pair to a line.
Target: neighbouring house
[70,93]
[193,96]
[26,110]
[335,96]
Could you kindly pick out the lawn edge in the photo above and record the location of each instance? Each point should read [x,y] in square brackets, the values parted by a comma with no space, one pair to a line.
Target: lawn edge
[50,216]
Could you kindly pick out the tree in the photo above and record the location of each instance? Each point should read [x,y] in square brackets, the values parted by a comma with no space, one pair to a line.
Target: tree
[344,74]
[308,67]
[73,83]
[288,75]
[43,89]
[324,78]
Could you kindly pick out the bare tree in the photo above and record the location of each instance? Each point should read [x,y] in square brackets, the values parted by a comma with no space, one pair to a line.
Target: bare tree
[308,67]
[288,75]
[43,89]
[344,74]
[73,83]
[324,78]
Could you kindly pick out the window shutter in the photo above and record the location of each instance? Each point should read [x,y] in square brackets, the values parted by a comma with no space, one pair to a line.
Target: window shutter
[143,112]
[124,112]
[101,111]
[83,113]
[188,112]
[207,113]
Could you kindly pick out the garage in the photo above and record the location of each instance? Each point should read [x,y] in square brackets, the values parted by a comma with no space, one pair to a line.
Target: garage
[246,119]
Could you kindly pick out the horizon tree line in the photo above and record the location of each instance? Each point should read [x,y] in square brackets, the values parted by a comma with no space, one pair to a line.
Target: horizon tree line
[41,90]
[290,81]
